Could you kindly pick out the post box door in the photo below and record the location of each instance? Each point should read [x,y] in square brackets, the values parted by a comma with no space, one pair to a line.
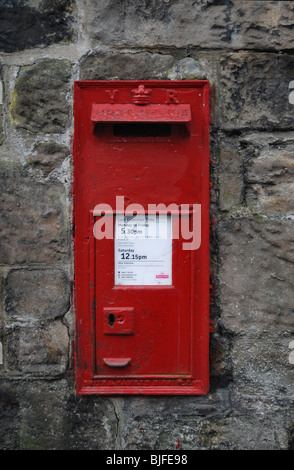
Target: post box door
[141,167]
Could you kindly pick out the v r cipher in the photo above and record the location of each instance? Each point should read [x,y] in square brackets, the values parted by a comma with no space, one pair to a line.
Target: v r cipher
[157,460]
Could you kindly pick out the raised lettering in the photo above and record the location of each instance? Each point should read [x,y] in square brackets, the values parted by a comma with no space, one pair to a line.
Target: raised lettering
[171,97]
[112,94]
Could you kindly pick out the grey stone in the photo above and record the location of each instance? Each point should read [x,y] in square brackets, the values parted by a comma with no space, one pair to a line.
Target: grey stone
[230,175]
[260,140]
[91,423]
[39,349]
[40,101]
[244,432]
[1,108]
[253,91]
[255,278]
[220,358]
[46,415]
[270,185]
[9,409]
[41,425]
[36,294]
[125,66]
[30,23]
[2,296]
[200,423]
[144,422]
[260,360]
[47,156]
[272,165]
[150,23]
[217,24]
[199,66]
[34,225]
[265,25]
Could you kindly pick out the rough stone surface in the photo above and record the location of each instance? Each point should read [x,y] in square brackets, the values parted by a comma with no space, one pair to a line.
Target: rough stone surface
[33,223]
[249,247]
[36,294]
[180,23]
[90,423]
[199,66]
[230,175]
[47,156]
[152,23]
[244,432]
[145,422]
[40,97]
[125,66]
[9,408]
[265,25]
[270,178]
[1,108]
[254,91]
[260,360]
[48,416]
[38,348]
[30,23]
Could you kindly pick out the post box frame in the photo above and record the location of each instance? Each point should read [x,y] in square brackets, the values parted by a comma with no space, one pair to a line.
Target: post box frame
[87,381]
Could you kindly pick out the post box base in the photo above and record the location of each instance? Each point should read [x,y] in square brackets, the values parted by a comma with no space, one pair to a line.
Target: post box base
[197,388]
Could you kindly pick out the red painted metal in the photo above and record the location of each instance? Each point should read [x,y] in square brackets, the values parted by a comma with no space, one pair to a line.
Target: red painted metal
[149,339]
[132,112]
[118,321]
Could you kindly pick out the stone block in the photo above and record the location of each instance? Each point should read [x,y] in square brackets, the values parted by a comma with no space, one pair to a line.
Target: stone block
[1,108]
[125,66]
[47,156]
[260,360]
[255,279]
[150,23]
[40,102]
[9,409]
[216,24]
[40,414]
[265,25]
[199,66]
[33,227]
[147,421]
[270,186]
[230,176]
[201,423]
[37,348]
[91,423]
[253,91]
[33,294]
[35,23]
[42,404]
[244,431]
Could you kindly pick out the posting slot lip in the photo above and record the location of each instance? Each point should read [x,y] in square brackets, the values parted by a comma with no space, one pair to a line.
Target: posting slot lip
[117,361]
[125,113]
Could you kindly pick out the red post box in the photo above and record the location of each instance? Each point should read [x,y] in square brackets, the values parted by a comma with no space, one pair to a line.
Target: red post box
[141,211]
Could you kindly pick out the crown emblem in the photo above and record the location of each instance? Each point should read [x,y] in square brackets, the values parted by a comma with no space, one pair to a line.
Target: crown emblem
[141,95]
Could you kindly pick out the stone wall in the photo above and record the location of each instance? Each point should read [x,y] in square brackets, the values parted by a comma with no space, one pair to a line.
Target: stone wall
[245,49]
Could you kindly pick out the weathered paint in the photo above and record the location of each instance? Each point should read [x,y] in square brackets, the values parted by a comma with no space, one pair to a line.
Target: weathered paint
[165,349]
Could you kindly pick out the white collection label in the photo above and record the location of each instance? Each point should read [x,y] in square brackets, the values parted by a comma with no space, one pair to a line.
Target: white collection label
[143,250]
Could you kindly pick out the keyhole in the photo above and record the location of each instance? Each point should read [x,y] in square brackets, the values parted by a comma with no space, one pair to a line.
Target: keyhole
[111,319]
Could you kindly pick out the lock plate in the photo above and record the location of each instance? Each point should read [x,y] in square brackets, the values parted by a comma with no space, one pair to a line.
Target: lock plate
[118,321]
